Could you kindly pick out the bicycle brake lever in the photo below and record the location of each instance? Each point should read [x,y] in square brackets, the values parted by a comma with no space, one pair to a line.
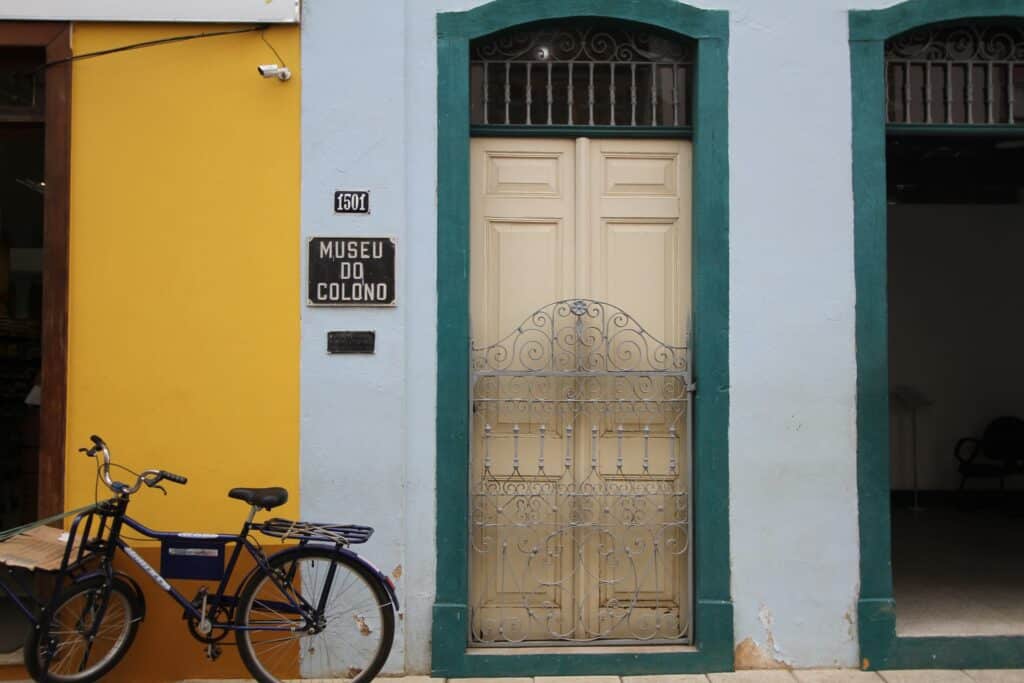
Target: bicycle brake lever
[157,486]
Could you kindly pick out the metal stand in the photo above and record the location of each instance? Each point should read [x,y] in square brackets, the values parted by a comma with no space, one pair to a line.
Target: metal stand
[912,400]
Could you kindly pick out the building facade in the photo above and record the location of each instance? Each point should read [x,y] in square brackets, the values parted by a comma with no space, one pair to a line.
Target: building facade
[629,409]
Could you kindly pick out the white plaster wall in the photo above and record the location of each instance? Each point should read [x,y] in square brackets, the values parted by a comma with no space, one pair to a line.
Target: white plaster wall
[363,457]
[369,121]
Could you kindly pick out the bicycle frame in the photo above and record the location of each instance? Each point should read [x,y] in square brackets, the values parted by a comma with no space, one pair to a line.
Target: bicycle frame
[220,598]
[77,559]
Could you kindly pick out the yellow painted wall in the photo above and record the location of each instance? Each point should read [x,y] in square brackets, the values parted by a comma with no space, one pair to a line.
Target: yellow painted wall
[184,287]
[185,253]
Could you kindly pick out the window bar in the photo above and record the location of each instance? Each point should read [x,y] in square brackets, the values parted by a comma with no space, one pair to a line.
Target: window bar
[540,456]
[568,447]
[888,92]
[928,92]
[907,94]
[654,93]
[570,65]
[590,94]
[487,448]
[611,90]
[970,92]
[672,462]
[647,455]
[675,94]
[949,92]
[1009,91]
[632,93]
[515,448]
[508,89]
[529,92]
[989,97]
[549,93]
[487,99]
[619,431]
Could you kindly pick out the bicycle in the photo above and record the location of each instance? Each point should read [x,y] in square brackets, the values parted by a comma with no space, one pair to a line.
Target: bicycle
[314,608]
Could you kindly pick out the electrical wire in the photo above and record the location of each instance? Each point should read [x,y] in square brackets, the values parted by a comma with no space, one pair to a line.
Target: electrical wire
[263,36]
[261,28]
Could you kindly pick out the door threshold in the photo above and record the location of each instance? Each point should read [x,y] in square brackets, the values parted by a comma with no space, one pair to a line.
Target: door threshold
[582,650]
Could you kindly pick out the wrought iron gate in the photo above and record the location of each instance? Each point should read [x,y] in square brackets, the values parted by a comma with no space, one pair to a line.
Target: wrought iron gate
[580,481]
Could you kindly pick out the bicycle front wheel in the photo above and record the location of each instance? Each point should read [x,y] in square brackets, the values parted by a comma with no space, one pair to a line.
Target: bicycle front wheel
[318,614]
[87,634]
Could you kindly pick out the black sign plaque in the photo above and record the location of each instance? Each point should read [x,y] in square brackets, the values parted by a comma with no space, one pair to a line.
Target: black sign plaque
[351,271]
[352,201]
[351,342]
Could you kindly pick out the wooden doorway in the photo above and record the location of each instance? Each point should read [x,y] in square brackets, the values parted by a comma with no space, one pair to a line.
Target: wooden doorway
[580,473]
[35,59]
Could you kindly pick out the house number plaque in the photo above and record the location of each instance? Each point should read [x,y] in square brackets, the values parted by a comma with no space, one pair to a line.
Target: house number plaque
[351,201]
[351,271]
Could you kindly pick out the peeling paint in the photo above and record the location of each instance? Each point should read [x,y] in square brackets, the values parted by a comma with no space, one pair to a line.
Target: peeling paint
[396,573]
[749,656]
[764,615]
[865,664]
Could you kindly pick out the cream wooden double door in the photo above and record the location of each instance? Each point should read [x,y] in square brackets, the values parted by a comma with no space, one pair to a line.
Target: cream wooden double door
[580,520]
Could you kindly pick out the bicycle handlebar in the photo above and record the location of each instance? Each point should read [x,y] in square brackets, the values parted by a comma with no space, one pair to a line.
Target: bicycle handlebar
[148,477]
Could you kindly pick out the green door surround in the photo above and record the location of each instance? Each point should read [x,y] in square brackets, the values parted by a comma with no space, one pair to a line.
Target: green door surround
[880,647]
[713,619]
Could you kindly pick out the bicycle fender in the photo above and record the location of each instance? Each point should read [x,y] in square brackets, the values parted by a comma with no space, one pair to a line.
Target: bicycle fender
[138,592]
[360,560]
[384,578]
[139,595]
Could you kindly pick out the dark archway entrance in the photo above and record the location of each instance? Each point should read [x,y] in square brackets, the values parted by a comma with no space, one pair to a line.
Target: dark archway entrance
[937,124]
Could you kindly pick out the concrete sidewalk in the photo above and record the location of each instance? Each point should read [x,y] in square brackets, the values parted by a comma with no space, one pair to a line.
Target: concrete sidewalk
[758,676]
[766,676]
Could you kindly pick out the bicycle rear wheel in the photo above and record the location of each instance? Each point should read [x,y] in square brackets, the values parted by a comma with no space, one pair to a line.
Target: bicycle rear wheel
[61,651]
[344,629]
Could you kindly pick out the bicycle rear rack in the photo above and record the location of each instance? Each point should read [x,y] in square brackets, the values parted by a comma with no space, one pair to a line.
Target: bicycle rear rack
[306,532]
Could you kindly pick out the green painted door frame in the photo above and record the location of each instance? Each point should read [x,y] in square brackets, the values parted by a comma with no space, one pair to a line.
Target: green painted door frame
[880,647]
[713,622]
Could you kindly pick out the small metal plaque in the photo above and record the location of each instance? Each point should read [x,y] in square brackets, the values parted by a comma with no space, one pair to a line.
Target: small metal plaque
[352,201]
[351,271]
[351,342]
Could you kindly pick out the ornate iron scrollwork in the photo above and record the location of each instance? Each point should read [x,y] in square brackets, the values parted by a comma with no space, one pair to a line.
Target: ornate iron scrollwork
[960,42]
[580,511]
[969,72]
[583,72]
[590,43]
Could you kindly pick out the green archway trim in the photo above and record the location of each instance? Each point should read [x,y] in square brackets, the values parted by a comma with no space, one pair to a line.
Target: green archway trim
[713,632]
[879,645]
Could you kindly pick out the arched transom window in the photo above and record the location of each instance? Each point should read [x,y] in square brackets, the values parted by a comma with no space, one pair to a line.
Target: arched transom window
[964,73]
[581,72]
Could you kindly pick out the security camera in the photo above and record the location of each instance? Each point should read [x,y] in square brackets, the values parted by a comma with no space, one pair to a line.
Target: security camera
[281,73]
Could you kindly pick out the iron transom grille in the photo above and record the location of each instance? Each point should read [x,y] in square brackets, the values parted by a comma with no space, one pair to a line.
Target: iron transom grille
[581,73]
[580,503]
[958,73]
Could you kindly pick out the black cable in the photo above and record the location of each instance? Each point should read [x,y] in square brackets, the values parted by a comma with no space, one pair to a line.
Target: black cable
[263,36]
[159,41]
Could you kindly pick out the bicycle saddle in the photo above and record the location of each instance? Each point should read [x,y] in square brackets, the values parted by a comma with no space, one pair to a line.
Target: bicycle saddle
[265,498]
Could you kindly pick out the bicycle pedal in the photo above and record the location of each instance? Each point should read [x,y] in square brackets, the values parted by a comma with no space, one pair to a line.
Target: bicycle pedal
[213,652]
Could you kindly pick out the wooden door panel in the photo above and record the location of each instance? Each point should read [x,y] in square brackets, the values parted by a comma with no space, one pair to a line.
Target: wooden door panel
[639,248]
[522,256]
[584,537]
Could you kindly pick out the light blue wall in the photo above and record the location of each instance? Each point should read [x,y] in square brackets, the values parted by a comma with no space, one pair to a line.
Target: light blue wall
[366,420]
[369,122]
